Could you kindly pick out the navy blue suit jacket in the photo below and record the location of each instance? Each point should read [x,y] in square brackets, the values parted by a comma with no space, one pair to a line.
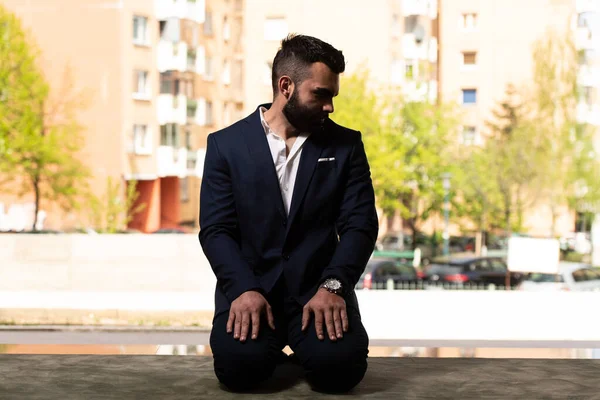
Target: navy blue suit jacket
[244,230]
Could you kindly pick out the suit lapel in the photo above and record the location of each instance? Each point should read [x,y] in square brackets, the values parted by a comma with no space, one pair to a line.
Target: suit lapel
[308,161]
[258,146]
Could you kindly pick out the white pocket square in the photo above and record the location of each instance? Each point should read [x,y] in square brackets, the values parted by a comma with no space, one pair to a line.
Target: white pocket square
[326,159]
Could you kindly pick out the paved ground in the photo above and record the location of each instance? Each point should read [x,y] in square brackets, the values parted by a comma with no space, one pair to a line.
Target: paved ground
[173,377]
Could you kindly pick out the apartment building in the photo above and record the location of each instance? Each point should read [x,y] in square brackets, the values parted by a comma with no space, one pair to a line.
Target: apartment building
[394,39]
[161,75]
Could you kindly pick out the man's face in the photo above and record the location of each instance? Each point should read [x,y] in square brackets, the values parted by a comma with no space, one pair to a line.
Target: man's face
[311,101]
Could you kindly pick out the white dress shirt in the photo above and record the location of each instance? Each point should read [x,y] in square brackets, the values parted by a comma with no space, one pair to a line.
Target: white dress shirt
[286,165]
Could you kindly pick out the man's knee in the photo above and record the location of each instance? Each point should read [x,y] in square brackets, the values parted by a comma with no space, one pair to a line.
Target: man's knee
[336,371]
[242,366]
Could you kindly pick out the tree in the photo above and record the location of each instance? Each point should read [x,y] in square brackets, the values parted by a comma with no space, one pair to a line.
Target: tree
[112,212]
[567,152]
[40,133]
[408,145]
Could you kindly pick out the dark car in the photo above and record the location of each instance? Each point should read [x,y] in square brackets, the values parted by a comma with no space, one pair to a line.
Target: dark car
[380,269]
[470,269]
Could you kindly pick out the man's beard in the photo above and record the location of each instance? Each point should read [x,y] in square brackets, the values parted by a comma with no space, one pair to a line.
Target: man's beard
[301,117]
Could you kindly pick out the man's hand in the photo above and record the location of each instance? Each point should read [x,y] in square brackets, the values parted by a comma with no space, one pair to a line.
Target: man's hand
[328,307]
[245,309]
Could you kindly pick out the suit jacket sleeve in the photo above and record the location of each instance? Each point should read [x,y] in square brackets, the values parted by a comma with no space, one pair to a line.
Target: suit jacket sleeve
[357,223]
[219,231]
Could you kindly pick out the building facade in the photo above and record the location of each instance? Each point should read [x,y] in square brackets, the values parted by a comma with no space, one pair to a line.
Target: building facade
[161,75]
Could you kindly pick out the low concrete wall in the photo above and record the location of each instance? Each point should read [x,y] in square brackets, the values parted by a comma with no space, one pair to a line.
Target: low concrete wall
[105,263]
[166,273]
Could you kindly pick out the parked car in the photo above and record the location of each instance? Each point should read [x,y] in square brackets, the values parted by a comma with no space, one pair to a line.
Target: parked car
[403,242]
[171,230]
[380,269]
[470,269]
[576,277]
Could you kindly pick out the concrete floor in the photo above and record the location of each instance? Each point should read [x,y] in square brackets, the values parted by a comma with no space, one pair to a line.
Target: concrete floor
[176,377]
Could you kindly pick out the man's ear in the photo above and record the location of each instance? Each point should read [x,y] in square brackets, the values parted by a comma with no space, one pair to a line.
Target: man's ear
[286,86]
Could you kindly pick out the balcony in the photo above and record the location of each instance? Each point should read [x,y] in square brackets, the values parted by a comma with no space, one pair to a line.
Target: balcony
[587,6]
[171,56]
[589,76]
[413,50]
[420,91]
[171,161]
[194,10]
[427,8]
[589,114]
[196,162]
[172,109]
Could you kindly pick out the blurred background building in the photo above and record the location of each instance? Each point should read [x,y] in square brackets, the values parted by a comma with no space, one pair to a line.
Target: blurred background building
[163,74]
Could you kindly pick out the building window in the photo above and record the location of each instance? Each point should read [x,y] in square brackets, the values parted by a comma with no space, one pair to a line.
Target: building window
[188,139]
[469,21]
[469,96]
[226,30]
[275,29]
[226,72]
[142,141]
[410,69]
[141,86]
[208,25]
[185,189]
[209,113]
[169,135]
[468,135]
[140,30]
[469,59]
[209,69]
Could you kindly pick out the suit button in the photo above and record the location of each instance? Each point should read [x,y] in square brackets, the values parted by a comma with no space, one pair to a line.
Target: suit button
[286,256]
[284,222]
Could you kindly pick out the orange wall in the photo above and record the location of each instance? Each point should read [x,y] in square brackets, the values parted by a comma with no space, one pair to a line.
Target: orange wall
[169,202]
[149,219]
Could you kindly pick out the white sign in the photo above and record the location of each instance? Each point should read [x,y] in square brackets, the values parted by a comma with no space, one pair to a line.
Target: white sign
[533,255]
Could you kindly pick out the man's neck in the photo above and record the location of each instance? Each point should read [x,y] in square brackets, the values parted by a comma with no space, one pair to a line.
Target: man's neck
[279,123]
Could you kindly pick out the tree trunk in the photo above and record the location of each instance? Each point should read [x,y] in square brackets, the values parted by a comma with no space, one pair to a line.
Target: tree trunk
[36,191]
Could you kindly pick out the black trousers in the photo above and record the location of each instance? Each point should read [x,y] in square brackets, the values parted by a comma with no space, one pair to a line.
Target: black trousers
[329,366]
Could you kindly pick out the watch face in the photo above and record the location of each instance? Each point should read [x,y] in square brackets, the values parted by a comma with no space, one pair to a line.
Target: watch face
[334,284]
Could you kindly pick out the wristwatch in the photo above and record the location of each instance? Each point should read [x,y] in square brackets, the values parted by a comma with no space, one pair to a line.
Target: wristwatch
[333,286]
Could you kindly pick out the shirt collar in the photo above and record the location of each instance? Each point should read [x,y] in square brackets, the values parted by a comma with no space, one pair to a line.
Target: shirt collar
[268,129]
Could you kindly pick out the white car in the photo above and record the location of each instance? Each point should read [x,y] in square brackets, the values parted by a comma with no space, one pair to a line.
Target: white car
[571,277]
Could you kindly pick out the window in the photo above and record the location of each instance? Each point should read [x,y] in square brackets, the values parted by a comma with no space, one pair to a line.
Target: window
[469,21]
[396,27]
[469,59]
[227,72]
[275,29]
[141,87]
[409,69]
[166,83]
[226,30]
[469,96]
[142,141]
[188,140]
[184,189]
[497,265]
[192,105]
[208,69]
[209,113]
[208,27]
[468,135]
[140,30]
[169,135]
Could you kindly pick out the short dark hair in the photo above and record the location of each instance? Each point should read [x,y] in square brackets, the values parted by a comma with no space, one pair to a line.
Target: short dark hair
[298,53]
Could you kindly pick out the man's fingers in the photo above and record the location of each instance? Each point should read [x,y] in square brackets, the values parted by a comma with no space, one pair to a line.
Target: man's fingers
[337,322]
[237,330]
[344,316]
[329,323]
[255,324]
[245,325]
[305,317]
[319,324]
[270,318]
[230,321]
